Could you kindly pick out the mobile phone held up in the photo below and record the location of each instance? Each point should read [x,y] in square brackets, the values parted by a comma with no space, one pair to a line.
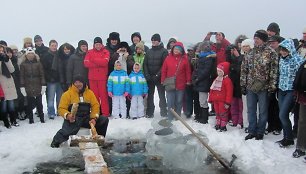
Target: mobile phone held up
[213,33]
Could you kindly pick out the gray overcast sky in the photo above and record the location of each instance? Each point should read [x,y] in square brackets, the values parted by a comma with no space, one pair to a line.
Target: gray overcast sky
[188,20]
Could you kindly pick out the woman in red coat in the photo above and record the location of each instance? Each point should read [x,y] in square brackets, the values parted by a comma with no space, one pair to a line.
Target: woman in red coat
[176,64]
[96,60]
[221,95]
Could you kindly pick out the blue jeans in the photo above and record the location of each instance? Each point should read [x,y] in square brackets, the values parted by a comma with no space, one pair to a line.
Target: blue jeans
[286,103]
[7,106]
[53,89]
[257,126]
[174,101]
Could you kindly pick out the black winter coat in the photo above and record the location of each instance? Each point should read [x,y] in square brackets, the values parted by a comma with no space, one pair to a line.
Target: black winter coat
[112,50]
[16,73]
[76,67]
[203,74]
[51,75]
[42,50]
[299,83]
[153,62]
[235,73]
[60,62]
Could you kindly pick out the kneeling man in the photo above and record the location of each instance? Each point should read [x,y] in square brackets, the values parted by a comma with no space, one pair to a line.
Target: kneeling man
[87,112]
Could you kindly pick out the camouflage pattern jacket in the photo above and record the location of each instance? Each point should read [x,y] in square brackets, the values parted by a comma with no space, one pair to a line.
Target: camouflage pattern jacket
[260,64]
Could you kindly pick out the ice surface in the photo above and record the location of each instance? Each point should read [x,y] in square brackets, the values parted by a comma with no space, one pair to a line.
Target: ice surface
[176,150]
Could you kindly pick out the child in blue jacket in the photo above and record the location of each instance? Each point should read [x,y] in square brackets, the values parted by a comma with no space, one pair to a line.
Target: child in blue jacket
[118,88]
[139,90]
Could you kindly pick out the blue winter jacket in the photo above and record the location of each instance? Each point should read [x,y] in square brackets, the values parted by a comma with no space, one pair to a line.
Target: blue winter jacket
[138,84]
[288,66]
[118,82]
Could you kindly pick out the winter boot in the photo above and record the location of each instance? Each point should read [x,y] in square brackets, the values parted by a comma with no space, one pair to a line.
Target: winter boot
[285,142]
[5,120]
[41,117]
[13,117]
[223,129]
[204,112]
[30,116]
[298,153]
[198,118]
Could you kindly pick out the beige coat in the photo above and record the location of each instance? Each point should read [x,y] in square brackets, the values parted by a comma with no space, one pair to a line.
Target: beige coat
[8,84]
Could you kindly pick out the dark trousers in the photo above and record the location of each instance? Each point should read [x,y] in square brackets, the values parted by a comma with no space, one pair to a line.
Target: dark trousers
[20,103]
[274,122]
[191,101]
[301,136]
[32,103]
[162,99]
[296,111]
[73,128]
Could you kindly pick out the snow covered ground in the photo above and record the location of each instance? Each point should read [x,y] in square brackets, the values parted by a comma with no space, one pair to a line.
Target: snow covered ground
[23,147]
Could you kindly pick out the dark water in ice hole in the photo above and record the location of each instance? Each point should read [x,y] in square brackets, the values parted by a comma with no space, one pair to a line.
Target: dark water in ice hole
[123,157]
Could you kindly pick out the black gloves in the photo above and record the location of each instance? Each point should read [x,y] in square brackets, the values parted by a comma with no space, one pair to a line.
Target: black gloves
[4,57]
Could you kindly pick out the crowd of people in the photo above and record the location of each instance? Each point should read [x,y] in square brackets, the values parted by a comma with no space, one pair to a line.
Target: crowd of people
[267,68]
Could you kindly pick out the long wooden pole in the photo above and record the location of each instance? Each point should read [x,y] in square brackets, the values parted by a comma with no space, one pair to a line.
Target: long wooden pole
[217,156]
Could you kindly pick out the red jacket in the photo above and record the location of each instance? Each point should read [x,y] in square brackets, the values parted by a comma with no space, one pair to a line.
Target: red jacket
[97,63]
[1,92]
[221,56]
[226,93]
[170,64]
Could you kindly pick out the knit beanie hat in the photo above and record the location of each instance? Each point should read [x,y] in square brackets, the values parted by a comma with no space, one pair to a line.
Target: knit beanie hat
[274,27]
[37,38]
[27,40]
[79,78]
[136,34]
[261,34]
[179,48]
[98,40]
[2,42]
[304,31]
[140,45]
[156,37]
[82,42]
[224,67]
[248,42]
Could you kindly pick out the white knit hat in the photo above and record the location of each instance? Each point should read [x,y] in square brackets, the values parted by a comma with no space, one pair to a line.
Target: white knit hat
[304,31]
[13,47]
[248,42]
